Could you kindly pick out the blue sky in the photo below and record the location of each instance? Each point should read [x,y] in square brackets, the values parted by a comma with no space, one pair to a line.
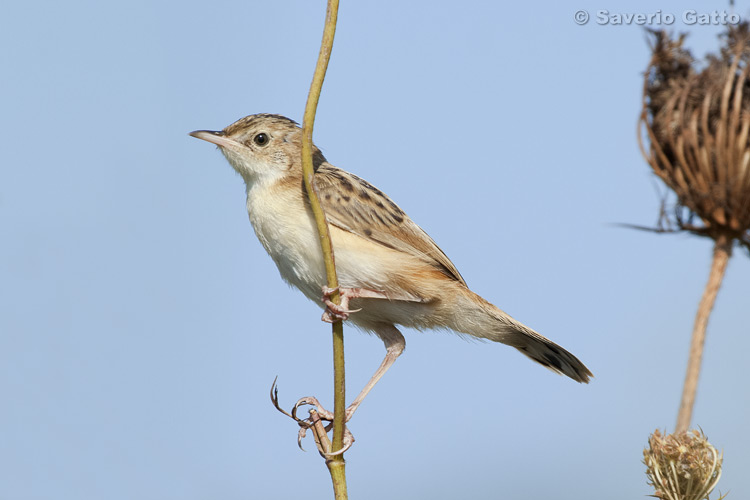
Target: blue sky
[141,323]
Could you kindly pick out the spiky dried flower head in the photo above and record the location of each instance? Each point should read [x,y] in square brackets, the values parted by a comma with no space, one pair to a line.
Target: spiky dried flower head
[697,124]
[682,466]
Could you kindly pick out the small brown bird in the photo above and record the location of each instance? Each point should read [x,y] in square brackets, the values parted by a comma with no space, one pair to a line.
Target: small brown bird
[387,266]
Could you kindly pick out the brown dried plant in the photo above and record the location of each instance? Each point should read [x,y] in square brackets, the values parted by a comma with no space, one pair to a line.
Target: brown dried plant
[682,466]
[695,128]
[697,125]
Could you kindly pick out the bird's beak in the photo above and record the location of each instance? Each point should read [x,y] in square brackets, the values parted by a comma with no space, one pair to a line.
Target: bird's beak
[217,138]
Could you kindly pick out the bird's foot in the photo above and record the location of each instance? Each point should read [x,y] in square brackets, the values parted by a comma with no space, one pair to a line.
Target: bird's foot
[314,421]
[325,416]
[341,312]
[338,312]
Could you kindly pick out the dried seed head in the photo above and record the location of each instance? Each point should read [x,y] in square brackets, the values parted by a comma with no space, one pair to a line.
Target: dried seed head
[682,466]
[696,121]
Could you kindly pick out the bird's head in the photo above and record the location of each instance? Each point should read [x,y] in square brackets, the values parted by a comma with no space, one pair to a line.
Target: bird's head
[261,148]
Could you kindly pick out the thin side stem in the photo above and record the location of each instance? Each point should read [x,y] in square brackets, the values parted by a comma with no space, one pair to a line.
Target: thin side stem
[336,464]
[722,252]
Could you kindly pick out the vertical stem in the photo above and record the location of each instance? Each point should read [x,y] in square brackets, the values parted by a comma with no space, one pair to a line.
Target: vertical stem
[336,464]
[722,252]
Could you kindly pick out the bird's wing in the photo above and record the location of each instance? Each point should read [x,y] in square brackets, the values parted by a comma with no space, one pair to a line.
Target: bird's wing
[356,206]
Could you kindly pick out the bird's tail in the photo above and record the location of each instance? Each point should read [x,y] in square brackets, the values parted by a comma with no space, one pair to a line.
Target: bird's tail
[481,319]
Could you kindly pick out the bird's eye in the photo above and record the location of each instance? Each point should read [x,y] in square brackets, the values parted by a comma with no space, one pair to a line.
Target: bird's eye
[261,139]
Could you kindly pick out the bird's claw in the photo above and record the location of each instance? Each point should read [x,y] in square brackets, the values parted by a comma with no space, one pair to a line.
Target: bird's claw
[325,416]
[311,401]
[300,436]
[337,312]
[348,442]
[319,414]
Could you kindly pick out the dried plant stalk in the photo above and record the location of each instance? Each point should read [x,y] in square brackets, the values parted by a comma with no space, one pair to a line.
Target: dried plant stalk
[695,126]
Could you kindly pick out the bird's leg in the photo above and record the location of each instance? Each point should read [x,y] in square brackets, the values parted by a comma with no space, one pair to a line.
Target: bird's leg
[394,346]
[340,312]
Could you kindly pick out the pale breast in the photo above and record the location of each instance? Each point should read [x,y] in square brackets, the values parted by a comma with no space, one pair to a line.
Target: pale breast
[285,229]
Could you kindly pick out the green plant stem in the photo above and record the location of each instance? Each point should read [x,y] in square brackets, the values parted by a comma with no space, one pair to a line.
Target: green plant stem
[336,464]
